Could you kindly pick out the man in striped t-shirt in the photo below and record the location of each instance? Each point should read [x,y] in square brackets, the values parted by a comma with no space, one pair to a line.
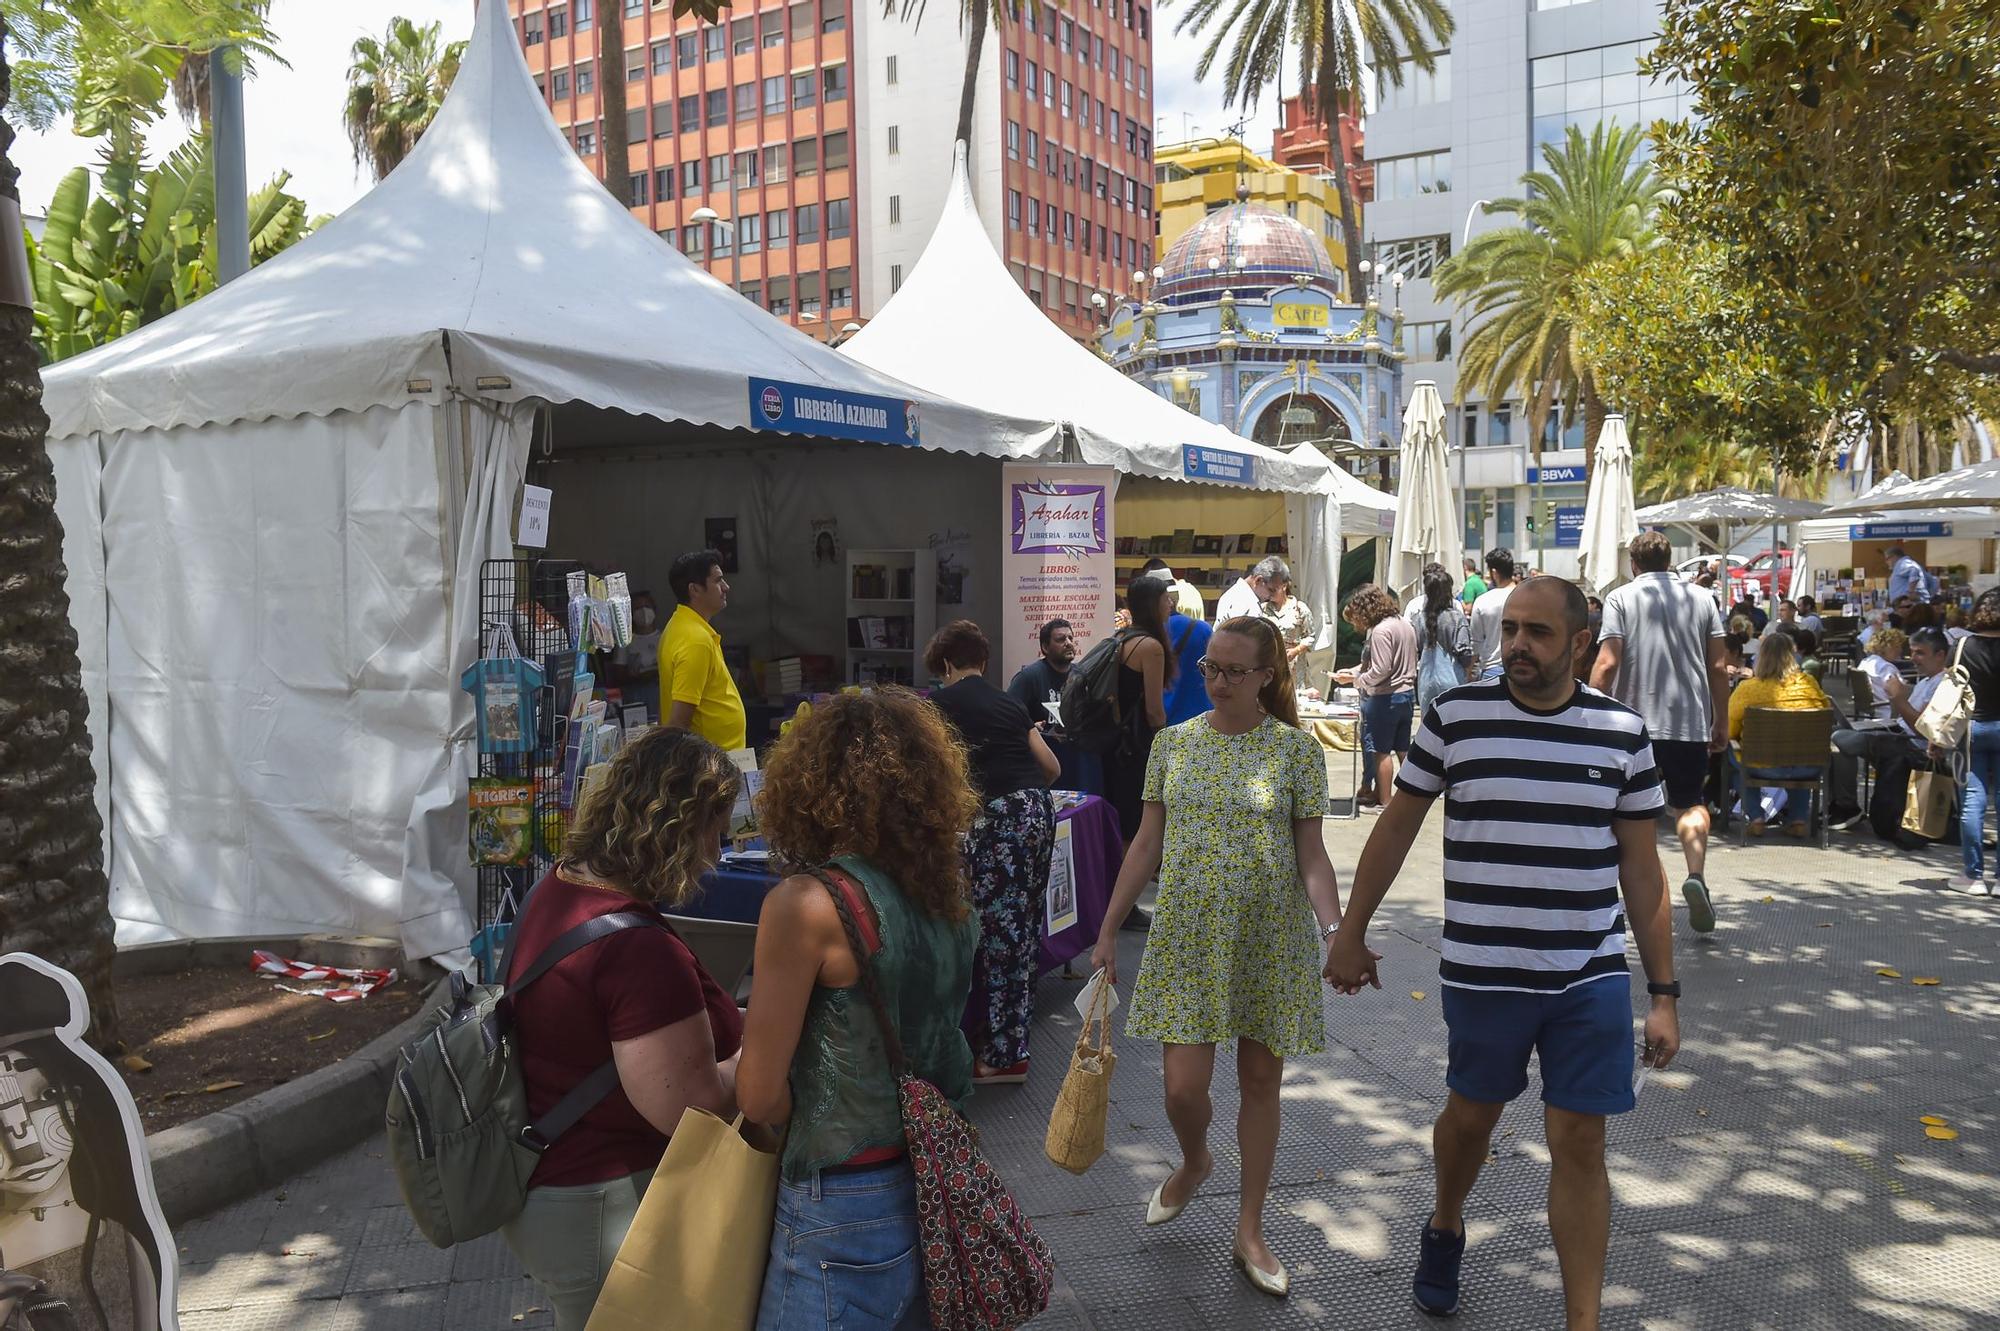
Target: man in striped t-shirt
[1551,796]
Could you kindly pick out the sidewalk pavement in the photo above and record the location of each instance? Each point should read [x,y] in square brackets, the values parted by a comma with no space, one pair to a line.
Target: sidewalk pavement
[1776,1177]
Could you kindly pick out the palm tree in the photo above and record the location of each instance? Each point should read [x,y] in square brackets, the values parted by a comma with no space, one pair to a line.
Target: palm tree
[1685,463]
[1520,284]
[54,900]
[976,17]
[611,136]
[1332,37]
[394,89]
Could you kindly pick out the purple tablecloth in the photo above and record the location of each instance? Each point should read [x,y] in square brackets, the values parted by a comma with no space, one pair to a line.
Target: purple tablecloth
[1098,848]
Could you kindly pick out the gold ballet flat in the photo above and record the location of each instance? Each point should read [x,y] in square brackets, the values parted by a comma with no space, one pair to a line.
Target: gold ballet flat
[1276,1283]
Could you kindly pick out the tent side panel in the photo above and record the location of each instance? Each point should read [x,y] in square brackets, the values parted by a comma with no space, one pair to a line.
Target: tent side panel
[277,670]
[78,467]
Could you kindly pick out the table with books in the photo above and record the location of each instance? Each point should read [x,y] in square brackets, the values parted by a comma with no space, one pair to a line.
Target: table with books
[1337,727]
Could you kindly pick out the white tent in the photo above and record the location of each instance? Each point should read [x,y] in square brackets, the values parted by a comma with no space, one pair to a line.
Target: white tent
[277,501]
[1826,543]
[1976,486]
[1728,506]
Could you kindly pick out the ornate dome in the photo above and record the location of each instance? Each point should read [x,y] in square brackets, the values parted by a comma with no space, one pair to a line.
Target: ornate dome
[1244,240]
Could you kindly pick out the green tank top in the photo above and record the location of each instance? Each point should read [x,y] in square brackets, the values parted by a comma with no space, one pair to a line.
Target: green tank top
[843,1097]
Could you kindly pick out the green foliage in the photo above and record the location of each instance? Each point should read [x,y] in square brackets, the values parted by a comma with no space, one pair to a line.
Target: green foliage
[1592,206]
[142,248]
[395,88]
[1842,156]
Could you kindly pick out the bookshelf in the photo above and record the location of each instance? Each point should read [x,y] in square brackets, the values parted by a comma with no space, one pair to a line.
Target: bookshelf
[891,615]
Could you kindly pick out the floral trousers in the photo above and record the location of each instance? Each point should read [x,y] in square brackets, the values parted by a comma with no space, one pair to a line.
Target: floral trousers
[1007,859]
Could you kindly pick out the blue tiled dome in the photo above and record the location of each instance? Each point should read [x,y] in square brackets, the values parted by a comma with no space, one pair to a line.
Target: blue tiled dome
[1274,248]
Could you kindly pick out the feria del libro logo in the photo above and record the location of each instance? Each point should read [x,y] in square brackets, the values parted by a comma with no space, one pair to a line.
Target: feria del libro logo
[772,402]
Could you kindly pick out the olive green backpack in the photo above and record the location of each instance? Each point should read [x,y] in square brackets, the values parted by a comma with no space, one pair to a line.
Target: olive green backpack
[459,1131]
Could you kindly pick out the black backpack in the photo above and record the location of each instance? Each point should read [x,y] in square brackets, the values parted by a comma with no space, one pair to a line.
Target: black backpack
[1091,717]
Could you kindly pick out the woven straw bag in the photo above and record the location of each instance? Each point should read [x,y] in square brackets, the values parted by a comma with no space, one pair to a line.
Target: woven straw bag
[1076,1125]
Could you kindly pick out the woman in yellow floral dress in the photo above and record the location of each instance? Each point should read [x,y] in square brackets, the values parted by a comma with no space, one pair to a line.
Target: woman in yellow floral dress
[1233,803]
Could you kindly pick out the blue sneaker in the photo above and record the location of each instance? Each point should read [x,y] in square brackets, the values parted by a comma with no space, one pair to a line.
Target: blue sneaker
[1436,1284]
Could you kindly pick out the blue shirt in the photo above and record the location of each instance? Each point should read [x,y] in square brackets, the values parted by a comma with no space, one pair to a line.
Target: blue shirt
[1187,696]
[1907,579]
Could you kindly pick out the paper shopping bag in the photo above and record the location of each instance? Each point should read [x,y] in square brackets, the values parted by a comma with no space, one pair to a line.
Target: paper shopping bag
[696,1251]
[1076,1125]
[1928,808]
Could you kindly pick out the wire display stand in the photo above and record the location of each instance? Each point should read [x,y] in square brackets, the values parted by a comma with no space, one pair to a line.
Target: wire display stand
[531,597]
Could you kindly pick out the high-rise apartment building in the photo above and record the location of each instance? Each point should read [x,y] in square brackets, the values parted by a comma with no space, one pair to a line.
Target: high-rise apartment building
[1518,74]
[821,131]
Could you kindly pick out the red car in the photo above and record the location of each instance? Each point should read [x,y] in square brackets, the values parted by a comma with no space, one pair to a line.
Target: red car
[1759,572]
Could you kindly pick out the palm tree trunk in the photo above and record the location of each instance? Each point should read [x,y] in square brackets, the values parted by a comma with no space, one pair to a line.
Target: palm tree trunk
[611,139]
[1350,213]
[1595,409]
[975,47]
[53,897]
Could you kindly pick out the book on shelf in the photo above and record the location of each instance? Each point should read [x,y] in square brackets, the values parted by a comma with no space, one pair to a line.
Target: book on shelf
[1207,545]
[870,582]
[1183,542]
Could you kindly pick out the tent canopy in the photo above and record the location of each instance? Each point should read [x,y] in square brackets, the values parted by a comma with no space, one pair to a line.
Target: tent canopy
[493,263]
[1042,373]
[1971,487]
[1729,504]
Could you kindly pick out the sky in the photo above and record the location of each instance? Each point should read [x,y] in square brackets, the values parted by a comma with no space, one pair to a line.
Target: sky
[293,115]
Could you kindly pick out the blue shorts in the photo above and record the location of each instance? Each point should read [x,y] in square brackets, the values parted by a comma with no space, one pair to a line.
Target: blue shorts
[1385,721]
[1584,1038]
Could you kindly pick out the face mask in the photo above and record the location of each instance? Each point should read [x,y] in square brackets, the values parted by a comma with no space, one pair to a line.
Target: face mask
[643,620]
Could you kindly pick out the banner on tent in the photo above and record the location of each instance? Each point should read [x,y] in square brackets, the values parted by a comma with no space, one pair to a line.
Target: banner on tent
[1199,463]
[1897,531]
[831,413]
[1057,561]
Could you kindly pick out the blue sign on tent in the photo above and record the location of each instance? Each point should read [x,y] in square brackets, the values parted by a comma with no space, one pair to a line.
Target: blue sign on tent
[1218,464]
[832,413]
[1897,531]
[1569,526]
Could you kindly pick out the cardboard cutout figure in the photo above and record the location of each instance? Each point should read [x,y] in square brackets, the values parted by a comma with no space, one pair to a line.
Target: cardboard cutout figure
[82,1239]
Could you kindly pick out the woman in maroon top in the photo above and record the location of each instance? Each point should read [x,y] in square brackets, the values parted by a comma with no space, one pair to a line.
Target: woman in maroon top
[642,841]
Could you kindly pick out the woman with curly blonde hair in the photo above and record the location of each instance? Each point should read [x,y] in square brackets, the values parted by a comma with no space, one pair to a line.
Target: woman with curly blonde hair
[872,791]
[636,998]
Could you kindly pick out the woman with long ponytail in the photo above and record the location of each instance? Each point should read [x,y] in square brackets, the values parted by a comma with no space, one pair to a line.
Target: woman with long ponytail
[1231,824]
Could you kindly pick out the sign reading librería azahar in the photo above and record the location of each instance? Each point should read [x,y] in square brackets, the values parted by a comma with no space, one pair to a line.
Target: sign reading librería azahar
[831,413]
[1057,560]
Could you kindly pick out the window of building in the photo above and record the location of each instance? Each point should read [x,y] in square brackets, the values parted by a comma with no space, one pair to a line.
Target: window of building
[895,278]
[663,57]
[746,169]
[531,29]
[1034,24]
[582,15]
[771,27]
[634,8]
[558,23]
[586,140]
[691,178]
[586,77]
[1013,68]
[1500,425]
[1427,341]
[1034,80]
[1115,65]
[895,140]
[1097,54]
[777,164]
[714,42]
[742,36]
[694,240]
[1418,89]
[808,293]
[778,294]
[802,21]
[805,157]
[805,90]
[687,50]
[1504,522]
[638,189]
[559,83]
[690,113]
[752,292]
[774,95]
[1069,298]
[889,70]
[836,151]
[833,15]
[1582,88]
[1069,231]
[635,66]
[663,183]
[718,172]
[777,229]
[1031,282]
[1034,217]
[839,218]
[839,288]
[750,233]
[1014,140]
[1013,210]
[895,210]
[1034,150]
[718,107]
[807,230]
[1412,176]
[635,125]
[746,101]
[724,242]
[1145,25]
[1417,257]
[833,80]
[1067,38]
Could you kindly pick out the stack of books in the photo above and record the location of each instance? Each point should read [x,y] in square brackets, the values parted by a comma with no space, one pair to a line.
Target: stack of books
[784,676]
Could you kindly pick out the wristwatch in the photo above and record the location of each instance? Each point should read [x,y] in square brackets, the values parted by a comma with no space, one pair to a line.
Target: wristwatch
[1329,931]
[1671,989]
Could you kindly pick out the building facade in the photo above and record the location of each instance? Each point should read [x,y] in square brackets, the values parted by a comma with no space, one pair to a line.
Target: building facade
[822,132]
[1301,143]
[1519,72]
[1246,326]
[1205,176]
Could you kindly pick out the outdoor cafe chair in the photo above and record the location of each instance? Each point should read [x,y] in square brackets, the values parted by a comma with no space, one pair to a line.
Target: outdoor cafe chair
[1774,738]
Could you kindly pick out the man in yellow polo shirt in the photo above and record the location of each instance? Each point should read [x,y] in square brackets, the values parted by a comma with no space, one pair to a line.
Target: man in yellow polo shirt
[696,692]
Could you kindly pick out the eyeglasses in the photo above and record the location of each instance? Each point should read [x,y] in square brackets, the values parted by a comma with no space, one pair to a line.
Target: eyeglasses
[1234,674]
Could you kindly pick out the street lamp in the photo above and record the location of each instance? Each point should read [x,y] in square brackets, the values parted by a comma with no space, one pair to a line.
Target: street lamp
[1458,342]
[1097,302]
[707,215]
[847,330]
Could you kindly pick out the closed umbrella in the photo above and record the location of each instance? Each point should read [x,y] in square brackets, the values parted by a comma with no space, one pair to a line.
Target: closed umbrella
[1608,521]
[1427,523]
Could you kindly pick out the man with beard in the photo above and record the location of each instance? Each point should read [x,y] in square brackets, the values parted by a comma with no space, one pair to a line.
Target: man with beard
[1550,799]
[1040,682]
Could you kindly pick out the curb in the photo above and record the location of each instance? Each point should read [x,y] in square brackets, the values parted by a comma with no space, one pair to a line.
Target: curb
[205,1164]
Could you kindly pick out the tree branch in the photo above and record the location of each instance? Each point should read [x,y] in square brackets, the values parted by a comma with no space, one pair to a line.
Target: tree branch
[1966,360]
